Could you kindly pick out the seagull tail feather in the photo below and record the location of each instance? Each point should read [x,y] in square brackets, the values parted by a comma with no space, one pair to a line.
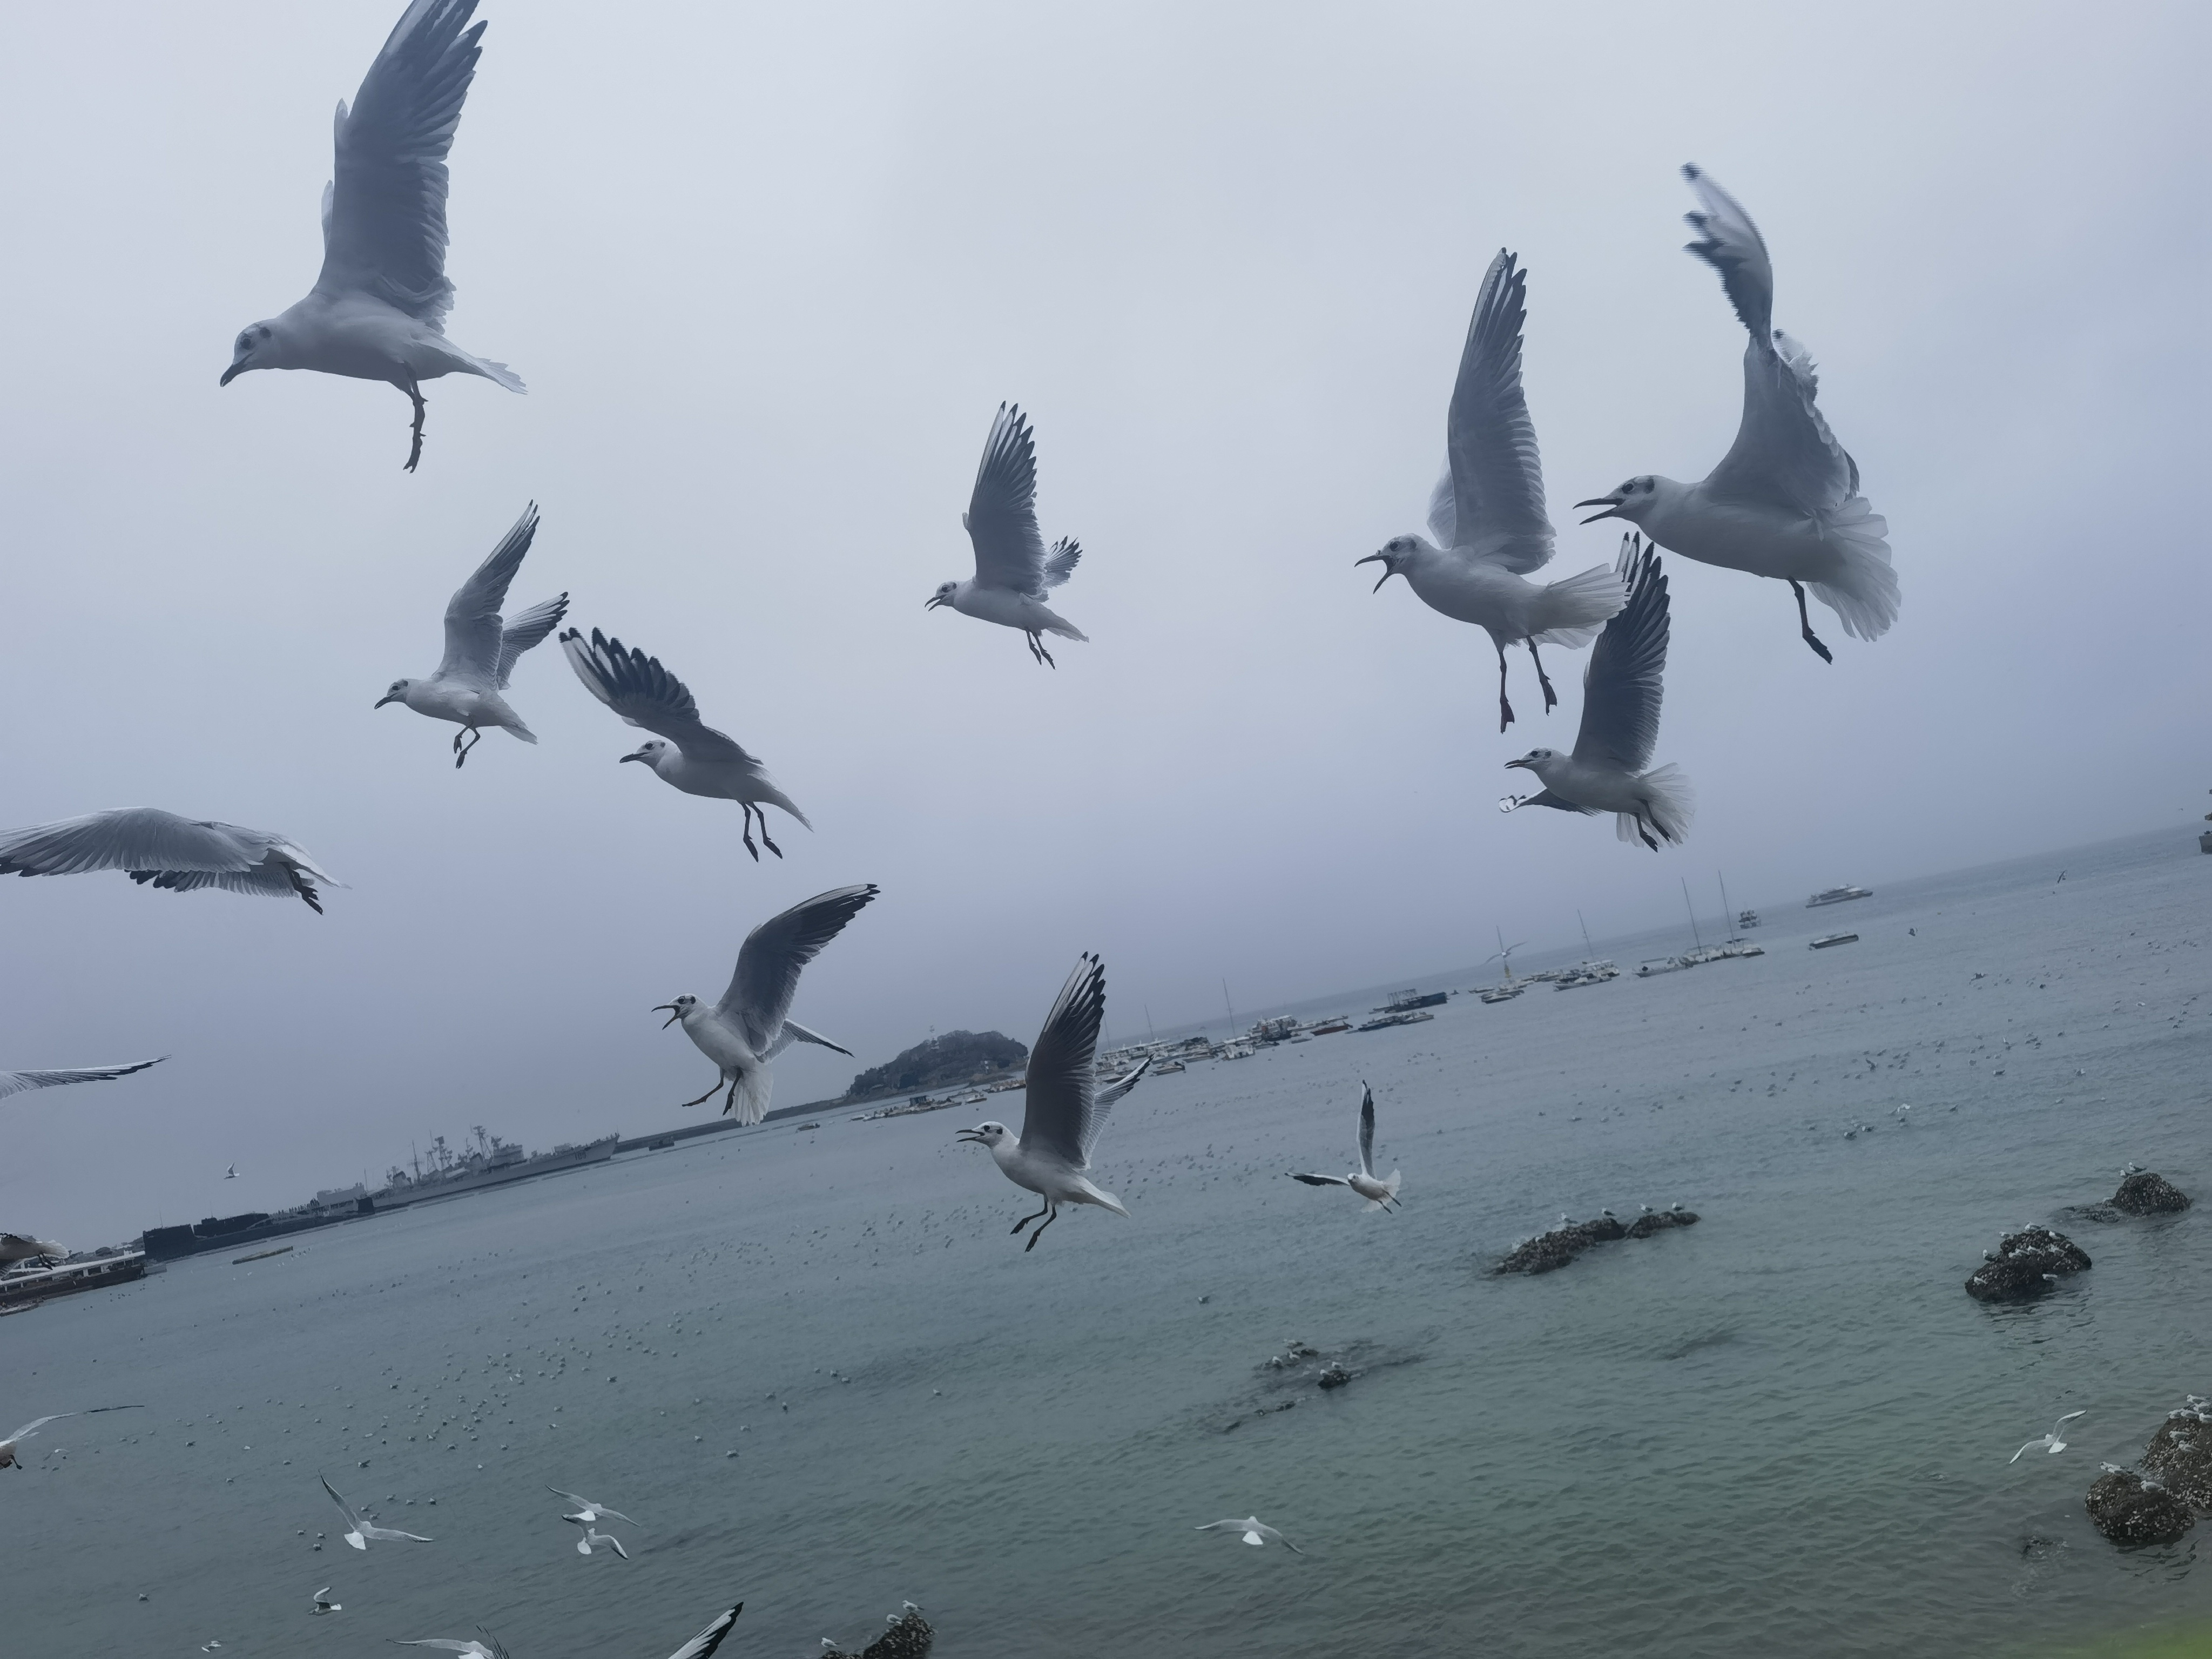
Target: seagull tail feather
[1864,591]
[1669,804]
[750,1105]
[1569,612]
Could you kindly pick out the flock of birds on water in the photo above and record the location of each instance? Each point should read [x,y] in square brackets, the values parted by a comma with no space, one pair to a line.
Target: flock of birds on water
[1783,503]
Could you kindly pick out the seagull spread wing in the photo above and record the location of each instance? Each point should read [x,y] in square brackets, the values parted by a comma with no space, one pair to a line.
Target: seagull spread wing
[165,849]
[384,216]
[1001,518]
[13,1083]
[1622,687]
[1784,454]
[768,962]
[1063,1115]
[1110,1092]
[1366,1130]
[1322,1180]
[1060,564]
[2030,1446]
[473,625]
[792,1032]
[488,1648]
[528,630]
[344,1507]
[1498,481]
[646,695]
[35,1425]
[709,1638]
[1731,245]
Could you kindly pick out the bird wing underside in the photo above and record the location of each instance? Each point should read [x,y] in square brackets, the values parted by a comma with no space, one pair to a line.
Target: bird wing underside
[1001,518]
[1622,685]
[768,964]
[647,696]
[473,631]
[1784,454]
[1062,1116]
[1498,478]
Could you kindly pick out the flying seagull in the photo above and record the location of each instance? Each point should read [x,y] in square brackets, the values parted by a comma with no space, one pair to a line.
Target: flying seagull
[230,1174]
[711,1637]
[1487,512]
[699,1647]
[324,1604]
[488,1648]
[1014,571]
[1254,1531]
[1785,502]
[588,1510]
[161,847]
[2052,1441]
[747,1028]
[694,757]
[1379,1193]
[10,1456]
[591,1537]
[1066,1105]
[1620,722]
[358,1532]
[15,1083]
[481,648]
[377,310]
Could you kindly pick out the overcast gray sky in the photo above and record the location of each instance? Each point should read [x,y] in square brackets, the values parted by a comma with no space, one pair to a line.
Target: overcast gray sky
[768,271]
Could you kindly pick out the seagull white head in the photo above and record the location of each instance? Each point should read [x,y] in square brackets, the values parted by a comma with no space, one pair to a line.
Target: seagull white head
[985,1135]
[677,1010]
[1632,501]
[1393,557]
[395,692]
[649,752]
[258,346]
[945,594]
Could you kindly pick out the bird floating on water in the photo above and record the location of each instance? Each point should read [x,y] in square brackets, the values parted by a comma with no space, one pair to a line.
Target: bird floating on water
[1379,1191]
[749,1027]
[1784,500]
[1254,1531]
[2052,1441]
[481,648]
[688,754]
[1065,1107]
[1014,571]
[1487,512]
[1611,769]
[377,310]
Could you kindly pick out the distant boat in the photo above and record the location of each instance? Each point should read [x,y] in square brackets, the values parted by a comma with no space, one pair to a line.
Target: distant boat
[1404,1002]
[1388,1020]
[1661,965]
[1504,993]
[1838,895]
[1585,973]
[1826,940]
[1747,921]
[1330,1027]
[1168,1066]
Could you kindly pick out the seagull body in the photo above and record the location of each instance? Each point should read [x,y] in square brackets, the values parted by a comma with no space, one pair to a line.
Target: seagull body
[1065,1106]
[377,310]
[1254,1531]
[324,1604]
[9,1457]
[1014,571]
[1621,689]
[481,649]
[588,1510]
[15,1083]
[750,1026]
[688,754]
[2050,1443]
[591,1537]
[1487,513]
[359,1533]
[1785,502]
[167,851]
[230,1174]
[1380,1193]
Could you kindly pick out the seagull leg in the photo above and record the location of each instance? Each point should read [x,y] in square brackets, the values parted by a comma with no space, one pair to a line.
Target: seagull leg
[1505,709]
[1644,835]
[460,754]
[1026,1219]
[415,448]
[750,847]
[702,1099]
[1805,624]
[1037,646]
[1551,697]
[1039,1233]
[766,841]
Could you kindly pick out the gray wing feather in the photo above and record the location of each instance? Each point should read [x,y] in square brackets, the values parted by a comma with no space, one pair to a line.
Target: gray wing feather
[165,849]
[473,625]
[15,1083]
[647,696]
[1002,517]
[1731,245]
[1444,511]
[384,220]
[1783,454]
[1322,1180]
[1366,1130]
[1061,1116]
[1545,797]
[1066,553]
[1498,479]
[528,630]
[768,964]
[1122,1085]
[709,1638]
[1622,686]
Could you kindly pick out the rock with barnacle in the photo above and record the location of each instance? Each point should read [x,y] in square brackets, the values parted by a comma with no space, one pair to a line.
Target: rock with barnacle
[2180,1453]
[1652,1221]
[2025,1264]
[1548,1252]
[2146,1193]
[2130,1510]
[908,1637]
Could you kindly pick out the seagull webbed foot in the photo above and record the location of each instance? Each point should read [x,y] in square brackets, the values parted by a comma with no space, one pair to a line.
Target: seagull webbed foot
[1805,626]
[1551,697]
[415,446]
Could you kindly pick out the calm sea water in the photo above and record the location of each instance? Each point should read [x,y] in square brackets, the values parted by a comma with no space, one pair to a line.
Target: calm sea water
[1782,1432]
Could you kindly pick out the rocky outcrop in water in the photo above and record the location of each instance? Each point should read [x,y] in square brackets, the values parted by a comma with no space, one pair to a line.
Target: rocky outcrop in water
[2026,1265]
[2180,1453]
[2145,1193]
[940,1061]
[1548,1252]
[908,1637]
[2130,1510]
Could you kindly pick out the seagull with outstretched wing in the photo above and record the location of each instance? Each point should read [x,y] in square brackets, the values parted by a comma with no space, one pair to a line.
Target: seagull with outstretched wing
[9,1457]
[1013,570]
[482,647]
[1611,770]
[1784,500]
[2053,1442]
[751,1025]
[689,754]
[1254,1531]
[15,1083]
[359,1533]
[1065,1107]
[1380,1192]
[588,1510]
[163,850]
[377,310]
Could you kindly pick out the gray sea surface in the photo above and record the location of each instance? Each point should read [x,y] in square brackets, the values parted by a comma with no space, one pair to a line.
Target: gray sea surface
[823,1377]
